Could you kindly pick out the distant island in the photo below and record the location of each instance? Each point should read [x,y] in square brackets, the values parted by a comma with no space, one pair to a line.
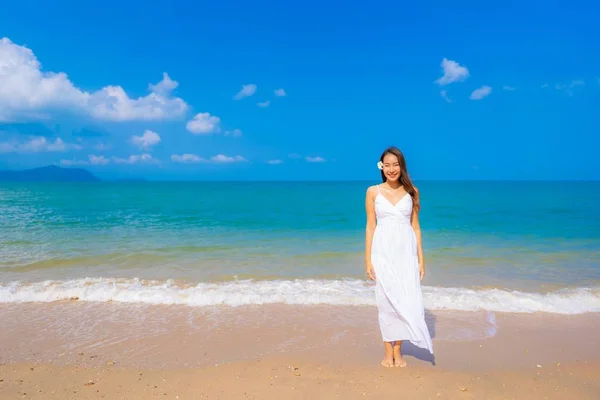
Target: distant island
[50,173]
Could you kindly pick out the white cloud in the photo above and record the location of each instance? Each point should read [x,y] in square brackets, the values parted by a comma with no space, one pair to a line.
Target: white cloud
[164,87]
[246,91]
[220,158]
[576,83]
[6,147]
[275,162]
[193,158]
[204,124]
[186,158]
[92,159]
[136,159]
[280,93]
[480,93]
[560,86]
[113,104]
[27,91]
[264,104]
[453,72]
[235,133]
[24,88]
[509,88]
[73,162]
[314,159]
[444,95]
[41,144]
[38,145]
[570,86]
[147,140]
[98,160]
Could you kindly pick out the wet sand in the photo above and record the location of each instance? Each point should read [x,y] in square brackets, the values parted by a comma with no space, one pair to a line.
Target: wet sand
[75,350]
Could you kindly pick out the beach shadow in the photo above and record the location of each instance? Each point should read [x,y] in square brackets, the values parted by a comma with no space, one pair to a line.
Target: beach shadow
[410,349]
[430,320]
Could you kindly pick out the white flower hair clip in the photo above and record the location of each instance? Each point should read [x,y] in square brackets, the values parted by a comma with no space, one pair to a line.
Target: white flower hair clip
[380,165]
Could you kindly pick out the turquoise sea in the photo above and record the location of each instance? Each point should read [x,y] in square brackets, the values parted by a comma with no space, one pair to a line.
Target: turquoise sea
[499,246]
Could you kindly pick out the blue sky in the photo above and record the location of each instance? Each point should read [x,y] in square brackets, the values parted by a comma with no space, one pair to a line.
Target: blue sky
[517,97]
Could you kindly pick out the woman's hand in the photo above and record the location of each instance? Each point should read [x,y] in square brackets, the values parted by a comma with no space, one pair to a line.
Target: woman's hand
[421,271]
[370,271]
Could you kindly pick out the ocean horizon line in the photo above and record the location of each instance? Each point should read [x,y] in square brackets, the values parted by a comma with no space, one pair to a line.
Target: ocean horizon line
[143,180]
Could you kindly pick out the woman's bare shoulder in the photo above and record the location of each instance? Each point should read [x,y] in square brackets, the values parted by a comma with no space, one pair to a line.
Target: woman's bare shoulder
[372,189]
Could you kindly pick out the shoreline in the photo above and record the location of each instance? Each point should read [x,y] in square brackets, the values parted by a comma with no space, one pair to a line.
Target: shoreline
[173,336]
[565,300]
[287,351]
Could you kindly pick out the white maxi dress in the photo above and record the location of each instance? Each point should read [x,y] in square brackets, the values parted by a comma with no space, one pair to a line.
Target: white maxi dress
[398,286]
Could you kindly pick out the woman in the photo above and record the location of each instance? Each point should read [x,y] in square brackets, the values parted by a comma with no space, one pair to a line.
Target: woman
[394,258]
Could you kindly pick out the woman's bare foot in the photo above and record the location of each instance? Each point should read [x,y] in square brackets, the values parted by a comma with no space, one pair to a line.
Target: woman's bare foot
[388,363]
[388,357]
[398,360]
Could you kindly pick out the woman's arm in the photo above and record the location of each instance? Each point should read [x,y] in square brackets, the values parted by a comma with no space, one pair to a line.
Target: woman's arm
[369,231]
[417,228]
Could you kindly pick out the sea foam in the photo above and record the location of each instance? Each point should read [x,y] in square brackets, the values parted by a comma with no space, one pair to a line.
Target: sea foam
[348,292]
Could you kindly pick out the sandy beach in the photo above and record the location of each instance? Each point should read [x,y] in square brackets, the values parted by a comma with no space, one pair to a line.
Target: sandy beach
[272,377]
[290,352]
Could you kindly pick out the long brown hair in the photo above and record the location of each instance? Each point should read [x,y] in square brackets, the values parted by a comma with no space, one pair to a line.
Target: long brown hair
[404,177]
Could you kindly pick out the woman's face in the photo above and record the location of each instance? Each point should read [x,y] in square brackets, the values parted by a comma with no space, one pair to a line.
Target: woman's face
[391,167]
